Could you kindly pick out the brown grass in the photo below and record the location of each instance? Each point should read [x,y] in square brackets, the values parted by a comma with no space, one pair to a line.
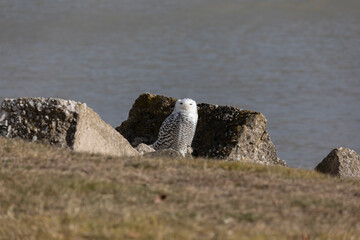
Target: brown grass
[50,193]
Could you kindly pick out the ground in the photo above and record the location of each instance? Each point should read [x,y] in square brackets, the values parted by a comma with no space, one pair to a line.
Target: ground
[51,193]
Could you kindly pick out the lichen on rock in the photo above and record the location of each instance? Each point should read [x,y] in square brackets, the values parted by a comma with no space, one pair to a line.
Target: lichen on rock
[62,123]
[341,162]
[43,119]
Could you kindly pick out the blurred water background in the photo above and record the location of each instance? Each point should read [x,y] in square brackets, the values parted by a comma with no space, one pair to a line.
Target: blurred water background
[296,61]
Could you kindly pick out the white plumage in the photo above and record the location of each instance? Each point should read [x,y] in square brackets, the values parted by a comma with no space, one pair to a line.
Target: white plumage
[178,129]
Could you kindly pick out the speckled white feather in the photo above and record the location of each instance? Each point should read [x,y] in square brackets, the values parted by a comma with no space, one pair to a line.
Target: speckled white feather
[178,129]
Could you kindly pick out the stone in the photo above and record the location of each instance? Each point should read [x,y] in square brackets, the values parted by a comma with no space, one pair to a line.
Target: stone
[224,132]
[145,118]
[143,148]
[341,162]
[165,153]
[149,152]
[62,123]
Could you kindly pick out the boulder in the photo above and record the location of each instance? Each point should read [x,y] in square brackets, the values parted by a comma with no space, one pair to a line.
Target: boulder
[341,162]
[62,123]
[224,132]
[145,118]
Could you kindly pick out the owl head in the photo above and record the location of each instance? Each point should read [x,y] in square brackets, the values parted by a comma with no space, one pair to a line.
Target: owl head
[185,105]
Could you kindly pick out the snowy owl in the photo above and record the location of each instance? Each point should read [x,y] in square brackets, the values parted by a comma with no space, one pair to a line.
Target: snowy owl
[178,129]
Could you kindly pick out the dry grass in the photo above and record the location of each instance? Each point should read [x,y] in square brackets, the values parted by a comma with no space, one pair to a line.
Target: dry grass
[49,193]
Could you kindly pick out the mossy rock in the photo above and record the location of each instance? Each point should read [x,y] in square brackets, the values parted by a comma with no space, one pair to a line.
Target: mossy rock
[224,132]
[145,118]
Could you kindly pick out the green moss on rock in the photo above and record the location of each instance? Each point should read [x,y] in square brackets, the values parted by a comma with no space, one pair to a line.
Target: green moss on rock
[145,118]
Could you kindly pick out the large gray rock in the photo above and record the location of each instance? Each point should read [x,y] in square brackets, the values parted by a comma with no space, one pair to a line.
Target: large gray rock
[342,162]
[223,132]
[63,123]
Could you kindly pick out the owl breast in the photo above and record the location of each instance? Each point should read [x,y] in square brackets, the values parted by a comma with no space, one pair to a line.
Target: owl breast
[176,132]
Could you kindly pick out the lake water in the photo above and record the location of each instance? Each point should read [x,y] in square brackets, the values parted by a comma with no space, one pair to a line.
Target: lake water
[296,61]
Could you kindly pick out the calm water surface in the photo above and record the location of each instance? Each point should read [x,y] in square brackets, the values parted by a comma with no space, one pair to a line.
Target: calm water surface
[296,61]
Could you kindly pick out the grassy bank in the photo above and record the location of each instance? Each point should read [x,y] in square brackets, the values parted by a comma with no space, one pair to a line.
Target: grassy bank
[49,193]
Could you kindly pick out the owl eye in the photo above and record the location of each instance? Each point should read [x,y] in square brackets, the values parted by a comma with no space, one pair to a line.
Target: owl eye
[181,103]
[190,103]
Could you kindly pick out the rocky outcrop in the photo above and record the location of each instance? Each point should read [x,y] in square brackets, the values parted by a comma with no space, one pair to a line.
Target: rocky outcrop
[341,162]
[62,123]
[223,132]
